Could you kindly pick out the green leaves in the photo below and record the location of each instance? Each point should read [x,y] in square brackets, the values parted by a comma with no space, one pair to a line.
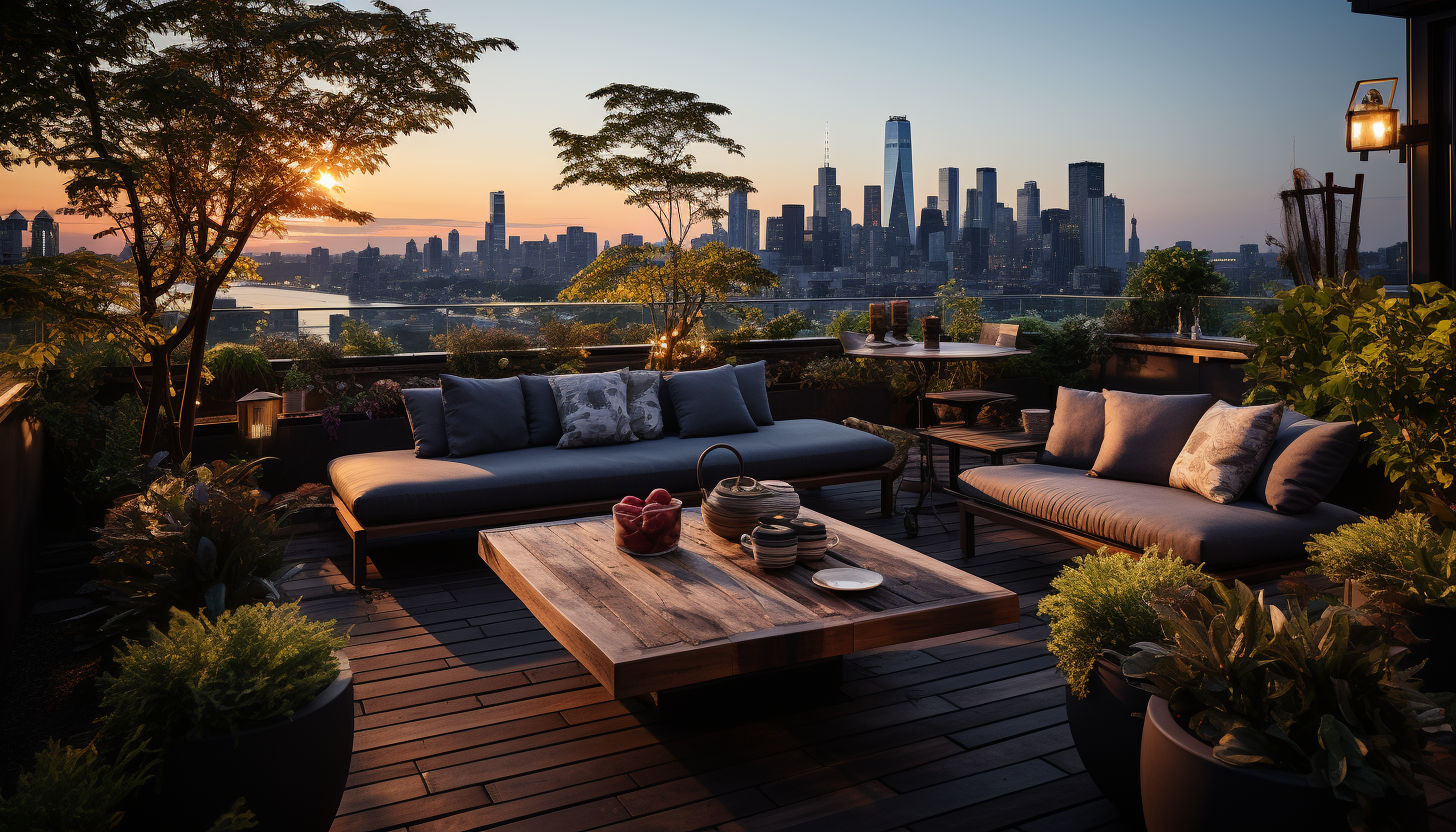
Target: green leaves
[1401,557]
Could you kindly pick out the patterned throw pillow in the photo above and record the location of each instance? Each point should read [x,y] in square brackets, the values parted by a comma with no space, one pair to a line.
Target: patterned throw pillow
[1226,450]
[593,409]
[644,405]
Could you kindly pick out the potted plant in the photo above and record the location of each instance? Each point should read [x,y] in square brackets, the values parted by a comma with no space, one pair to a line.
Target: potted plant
[1405,566]
[1098,609]
[295,386]
[256,704]
[1298,717]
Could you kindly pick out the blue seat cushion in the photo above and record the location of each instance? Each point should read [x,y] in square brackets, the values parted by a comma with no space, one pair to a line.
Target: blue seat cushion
[398,487]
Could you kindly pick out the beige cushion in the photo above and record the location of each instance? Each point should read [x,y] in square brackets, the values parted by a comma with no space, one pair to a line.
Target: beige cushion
[1226,450]
[1143,434]
[1076,434]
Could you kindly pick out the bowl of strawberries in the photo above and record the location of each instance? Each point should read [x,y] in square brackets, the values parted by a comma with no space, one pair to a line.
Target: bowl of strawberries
[647,528]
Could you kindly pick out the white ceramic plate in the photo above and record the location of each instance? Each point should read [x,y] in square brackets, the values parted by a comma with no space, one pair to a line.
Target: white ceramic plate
[848,579]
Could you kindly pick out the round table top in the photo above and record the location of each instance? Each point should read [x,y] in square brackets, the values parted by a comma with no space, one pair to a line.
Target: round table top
[949,351]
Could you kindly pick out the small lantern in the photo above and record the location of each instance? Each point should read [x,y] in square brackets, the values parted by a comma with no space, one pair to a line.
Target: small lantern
[1370,122]
[258,415]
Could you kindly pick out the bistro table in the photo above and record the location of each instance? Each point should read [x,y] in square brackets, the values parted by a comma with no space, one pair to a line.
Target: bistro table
[923,365]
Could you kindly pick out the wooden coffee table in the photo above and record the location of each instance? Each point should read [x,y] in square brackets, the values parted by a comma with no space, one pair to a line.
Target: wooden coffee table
[644,625]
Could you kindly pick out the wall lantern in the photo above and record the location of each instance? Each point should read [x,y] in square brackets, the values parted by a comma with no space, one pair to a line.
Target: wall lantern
[258,416]
[1371,123]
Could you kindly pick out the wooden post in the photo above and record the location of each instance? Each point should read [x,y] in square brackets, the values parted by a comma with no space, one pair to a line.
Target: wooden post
[1327,202]
[1311,256]
[1352,244]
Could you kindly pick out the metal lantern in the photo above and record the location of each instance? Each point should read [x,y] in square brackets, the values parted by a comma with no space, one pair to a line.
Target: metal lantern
[258,415]
[1371,123]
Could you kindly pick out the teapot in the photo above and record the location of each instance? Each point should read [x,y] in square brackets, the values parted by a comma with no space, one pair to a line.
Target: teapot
[734,505]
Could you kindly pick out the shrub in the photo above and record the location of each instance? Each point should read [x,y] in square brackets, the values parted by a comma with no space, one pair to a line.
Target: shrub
[382,400]
[358,338]
[962,314]
[1102,603]
[237,369]
[1402,558]
[204,678]
[309,352]
[839,372]
[199,540]
[464,338]
[1168,281]
[74,789]
[295,379]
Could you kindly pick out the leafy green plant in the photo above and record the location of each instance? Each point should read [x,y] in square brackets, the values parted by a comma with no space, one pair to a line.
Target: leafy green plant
[359,338]
[1315,692]
[236,369]
[203,539]
[846,321]
[1101,603]
[1343,349]
[1401,558]
[295,379]
[204,678]
[382,400]
[76,789]
[310,353]
[1167,282]
[962,314]
[840,372]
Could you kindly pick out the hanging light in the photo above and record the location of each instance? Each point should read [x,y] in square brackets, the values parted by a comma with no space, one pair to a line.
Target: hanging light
[1372,123]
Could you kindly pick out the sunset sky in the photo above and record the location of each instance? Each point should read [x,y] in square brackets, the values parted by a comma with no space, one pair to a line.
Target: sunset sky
[1197,109]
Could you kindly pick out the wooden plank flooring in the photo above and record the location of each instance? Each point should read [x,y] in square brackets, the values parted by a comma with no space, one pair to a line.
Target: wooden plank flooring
[468,715]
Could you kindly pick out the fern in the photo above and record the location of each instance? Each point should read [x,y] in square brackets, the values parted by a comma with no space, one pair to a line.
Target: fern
[1401,556]
[74,790]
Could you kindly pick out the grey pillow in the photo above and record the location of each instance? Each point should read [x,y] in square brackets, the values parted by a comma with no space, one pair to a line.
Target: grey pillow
[1226,450]
[425,407]
[1143,434]
[593,409]
[753,385]
[643,404]
[1076,433]
[708,403]
[484,415]
[664,397]
[541,418]
[1307,460]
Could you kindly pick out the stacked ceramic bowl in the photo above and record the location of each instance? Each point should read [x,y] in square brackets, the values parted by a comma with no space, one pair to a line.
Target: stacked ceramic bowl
[772,546]
[813,538]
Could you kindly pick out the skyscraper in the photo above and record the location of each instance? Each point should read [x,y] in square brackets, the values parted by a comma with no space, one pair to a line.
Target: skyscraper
[454,246]
[899,182]
[368,261]
[827,254]
[318,266]
[752,241]
[434,254]
[793,231]
[12,238]
[45,236]
[632,240]
[412,259]
[986,193]
[738,219]
[1114,233]
[949,202]
[872,206]
[1085,180]
[497,227]
[1028,219]
[1057,246]
[1134,245]
[932,223]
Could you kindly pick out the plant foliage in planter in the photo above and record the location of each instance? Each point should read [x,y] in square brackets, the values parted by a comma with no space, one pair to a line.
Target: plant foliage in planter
[1401,558]
[1315,692]
[205,678]
[1102,602]
[76,789]
[235,369]
[203,539]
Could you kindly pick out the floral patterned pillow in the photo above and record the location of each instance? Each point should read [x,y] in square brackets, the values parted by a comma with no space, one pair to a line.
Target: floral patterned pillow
[644,404]
[1226,450]
[593,409]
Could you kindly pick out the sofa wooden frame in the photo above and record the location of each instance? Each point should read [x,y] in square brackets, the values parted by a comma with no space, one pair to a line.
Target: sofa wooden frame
[360,534]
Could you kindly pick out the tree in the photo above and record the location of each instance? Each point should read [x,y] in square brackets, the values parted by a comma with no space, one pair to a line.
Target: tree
[645,150]
[193,126]
[1169,281]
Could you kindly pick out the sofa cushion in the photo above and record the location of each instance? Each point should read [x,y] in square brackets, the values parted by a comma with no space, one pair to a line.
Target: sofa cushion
[541,418]
[753,385]
[425,407]
[1143,434]
[483,415]
[644,406]
[397,487]
[709,403]
[1138,515]
[593,409]
[1226,450]
[1307,460]
[1076,434]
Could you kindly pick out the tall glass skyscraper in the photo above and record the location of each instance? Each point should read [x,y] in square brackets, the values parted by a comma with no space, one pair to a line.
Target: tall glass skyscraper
[738,219]
[986,193]
[872,203]
[497,225]
[950,203]
[1085,180]
[899,182]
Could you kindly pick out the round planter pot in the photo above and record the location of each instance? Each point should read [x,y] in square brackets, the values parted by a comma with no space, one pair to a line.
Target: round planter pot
[1108,729]
[1186,789]
[1438,626]
[291,771]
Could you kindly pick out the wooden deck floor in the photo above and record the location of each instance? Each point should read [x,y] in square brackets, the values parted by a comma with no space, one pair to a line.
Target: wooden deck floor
[469,715]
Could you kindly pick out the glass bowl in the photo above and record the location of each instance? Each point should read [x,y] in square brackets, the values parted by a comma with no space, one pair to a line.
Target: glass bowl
[647,531]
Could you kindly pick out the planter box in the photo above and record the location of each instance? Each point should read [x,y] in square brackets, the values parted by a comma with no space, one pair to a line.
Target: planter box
[872,403]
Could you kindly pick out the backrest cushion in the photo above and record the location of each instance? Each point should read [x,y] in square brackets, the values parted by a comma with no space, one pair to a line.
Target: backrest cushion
[425,407]
[644,405]
[664,398]
[541,418]
[484,415]
[1076,434]
[593,409]
[1226,450]
[753,385]
[708,403]
[1142,434]
[1307,460]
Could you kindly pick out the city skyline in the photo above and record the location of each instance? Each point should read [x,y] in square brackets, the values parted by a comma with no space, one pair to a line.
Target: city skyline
[1192,135]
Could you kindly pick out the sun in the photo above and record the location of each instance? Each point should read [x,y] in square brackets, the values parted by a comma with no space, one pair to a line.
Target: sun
[327,180]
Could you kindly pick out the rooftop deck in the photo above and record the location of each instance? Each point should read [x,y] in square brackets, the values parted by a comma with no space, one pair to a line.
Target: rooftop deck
[469,715]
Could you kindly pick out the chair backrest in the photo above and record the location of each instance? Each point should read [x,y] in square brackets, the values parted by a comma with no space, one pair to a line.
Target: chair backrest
[991,332]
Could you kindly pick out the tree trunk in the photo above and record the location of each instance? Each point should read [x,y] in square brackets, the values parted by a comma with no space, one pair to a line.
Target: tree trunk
[153,439]
[192,386]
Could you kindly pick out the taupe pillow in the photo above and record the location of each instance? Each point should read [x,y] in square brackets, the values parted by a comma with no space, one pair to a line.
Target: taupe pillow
[1226,450]
[1143,434]
[1076,434]
[1307,460]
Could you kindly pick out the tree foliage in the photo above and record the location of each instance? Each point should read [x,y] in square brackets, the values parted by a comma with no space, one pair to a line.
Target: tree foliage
[190,127]
[1168,281]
